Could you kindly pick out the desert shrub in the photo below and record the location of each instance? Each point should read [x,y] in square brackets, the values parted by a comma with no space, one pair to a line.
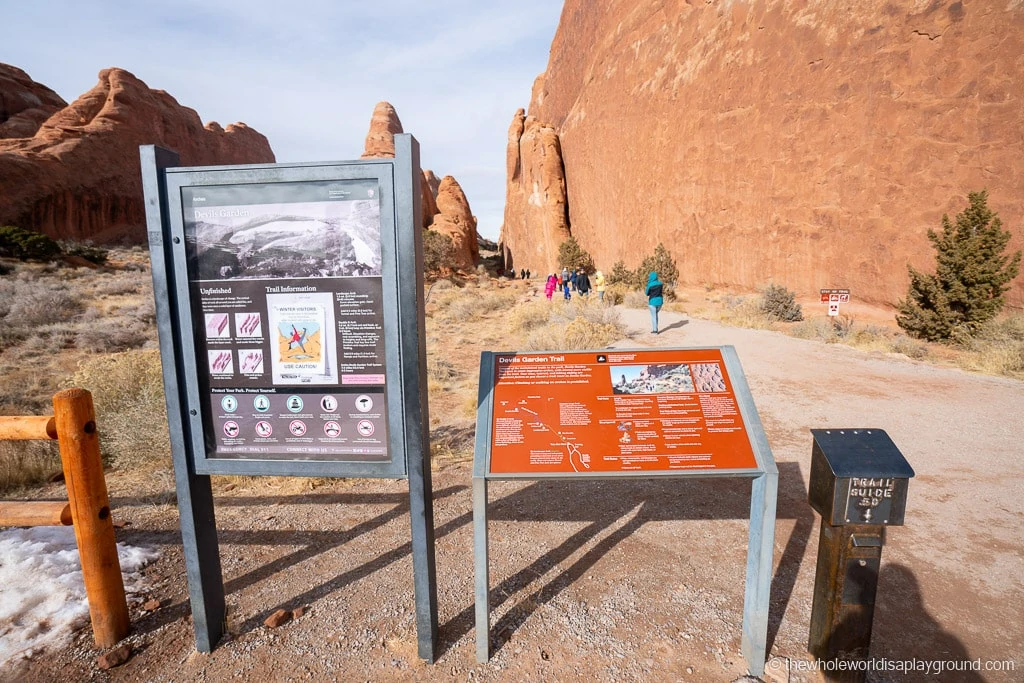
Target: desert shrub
[577,335]
[842,325]
[813,328]
[439,369]
[579,324]
[5,269]
[778,303]
[119,284]
[631,298]
[997,348]
[128,392]
[615,294]
[113,333]
[911,348]
[438,252]
[34,304]
[572,256]
[86,250]
[972,273]
[531,315]
[660,262]
[470,303]
[621,274]
[744,311]
[26,245]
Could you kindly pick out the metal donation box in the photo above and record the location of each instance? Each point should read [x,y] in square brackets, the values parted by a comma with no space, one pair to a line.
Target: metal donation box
[858,476]
[858,484]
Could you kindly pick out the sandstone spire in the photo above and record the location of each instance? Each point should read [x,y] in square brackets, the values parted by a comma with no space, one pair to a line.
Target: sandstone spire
[384,124]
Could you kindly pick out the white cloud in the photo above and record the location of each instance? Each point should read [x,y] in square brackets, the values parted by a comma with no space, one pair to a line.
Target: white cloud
[308,73]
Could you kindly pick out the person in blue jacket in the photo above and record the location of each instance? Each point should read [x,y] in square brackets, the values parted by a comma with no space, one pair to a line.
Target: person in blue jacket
[654,299]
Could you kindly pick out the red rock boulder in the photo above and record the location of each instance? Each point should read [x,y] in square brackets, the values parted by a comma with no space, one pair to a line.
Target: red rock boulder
[24,104]
[456,220]
[79,175]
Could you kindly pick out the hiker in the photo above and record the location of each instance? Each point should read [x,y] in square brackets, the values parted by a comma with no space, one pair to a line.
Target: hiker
[599,285]
[583,283]
[566,283]
[573,278]
[522,273]
[654,299]
[549,286]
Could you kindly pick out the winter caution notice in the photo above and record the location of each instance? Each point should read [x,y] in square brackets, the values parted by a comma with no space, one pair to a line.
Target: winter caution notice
[664,410]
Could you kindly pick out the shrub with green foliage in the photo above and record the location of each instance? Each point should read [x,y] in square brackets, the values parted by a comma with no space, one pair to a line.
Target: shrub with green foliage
[660,262]
[89,252]
[26,245]
[972,274]
[572,256]
[621,274]
[438,252]
[778,303]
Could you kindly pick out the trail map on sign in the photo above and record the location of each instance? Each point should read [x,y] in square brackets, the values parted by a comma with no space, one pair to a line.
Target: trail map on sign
[665,410]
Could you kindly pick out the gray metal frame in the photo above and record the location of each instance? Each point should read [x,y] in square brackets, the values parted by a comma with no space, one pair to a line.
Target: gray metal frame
[396,306]
[405,351]
[763,497]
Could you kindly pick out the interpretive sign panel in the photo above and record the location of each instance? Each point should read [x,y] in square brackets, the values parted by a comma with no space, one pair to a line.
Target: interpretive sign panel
[662,410]
[625,413]
[289,302]
[285,284]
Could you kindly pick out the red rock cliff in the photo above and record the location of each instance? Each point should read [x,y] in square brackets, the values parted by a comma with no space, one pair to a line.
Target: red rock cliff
[78,176]
[811,144]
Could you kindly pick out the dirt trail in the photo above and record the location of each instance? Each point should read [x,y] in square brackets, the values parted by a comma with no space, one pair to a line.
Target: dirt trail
[615,580]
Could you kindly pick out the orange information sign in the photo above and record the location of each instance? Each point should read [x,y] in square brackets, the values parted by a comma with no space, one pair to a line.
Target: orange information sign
[666,410]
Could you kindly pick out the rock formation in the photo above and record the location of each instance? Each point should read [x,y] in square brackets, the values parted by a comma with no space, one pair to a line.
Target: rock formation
[536,218]
[457,222]
[444,204]
[79,177]
[432,180]
[24,104]
[811,144]
[384,125]
[429,191]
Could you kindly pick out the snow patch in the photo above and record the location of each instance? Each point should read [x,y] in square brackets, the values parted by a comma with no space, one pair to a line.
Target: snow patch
[42,595]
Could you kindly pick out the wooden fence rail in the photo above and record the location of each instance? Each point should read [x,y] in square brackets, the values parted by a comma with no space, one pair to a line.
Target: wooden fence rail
[73,426]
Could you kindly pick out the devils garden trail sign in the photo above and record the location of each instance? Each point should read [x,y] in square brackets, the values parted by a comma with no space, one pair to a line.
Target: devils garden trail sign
[626,413]
[291,333]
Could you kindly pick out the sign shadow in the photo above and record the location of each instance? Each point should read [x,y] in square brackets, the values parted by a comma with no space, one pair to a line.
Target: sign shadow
[311,544]
[621,507]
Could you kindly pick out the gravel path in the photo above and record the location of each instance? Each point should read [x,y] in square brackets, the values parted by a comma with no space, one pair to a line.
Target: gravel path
[613,580]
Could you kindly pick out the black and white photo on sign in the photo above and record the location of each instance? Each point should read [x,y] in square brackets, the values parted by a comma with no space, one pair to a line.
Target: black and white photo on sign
[293,240]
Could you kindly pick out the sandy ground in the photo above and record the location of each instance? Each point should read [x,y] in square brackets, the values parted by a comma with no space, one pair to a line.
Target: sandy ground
[615,580]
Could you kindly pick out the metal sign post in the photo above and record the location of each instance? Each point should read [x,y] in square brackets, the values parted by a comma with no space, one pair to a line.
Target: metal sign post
[291,320]
[617,413]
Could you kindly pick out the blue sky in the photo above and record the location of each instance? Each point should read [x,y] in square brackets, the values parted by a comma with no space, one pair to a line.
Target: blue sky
[307,73]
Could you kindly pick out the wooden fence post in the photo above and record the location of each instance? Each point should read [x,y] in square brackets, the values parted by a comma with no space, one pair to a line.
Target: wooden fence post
[90,509]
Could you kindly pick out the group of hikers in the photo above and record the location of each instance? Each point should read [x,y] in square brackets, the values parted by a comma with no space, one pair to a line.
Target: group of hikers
[574,281]
[569,281]
[579,281]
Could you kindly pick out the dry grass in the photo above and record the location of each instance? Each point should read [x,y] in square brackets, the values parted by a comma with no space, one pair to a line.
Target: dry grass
[27,463]
[128,391]
[96,329]
[998,349]
[574,325]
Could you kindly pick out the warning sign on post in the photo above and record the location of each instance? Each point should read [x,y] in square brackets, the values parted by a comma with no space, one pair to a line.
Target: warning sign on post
[616,411]
[834,297]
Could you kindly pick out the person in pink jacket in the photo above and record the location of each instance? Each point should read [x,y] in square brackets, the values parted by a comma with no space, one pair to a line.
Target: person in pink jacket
[549,286]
